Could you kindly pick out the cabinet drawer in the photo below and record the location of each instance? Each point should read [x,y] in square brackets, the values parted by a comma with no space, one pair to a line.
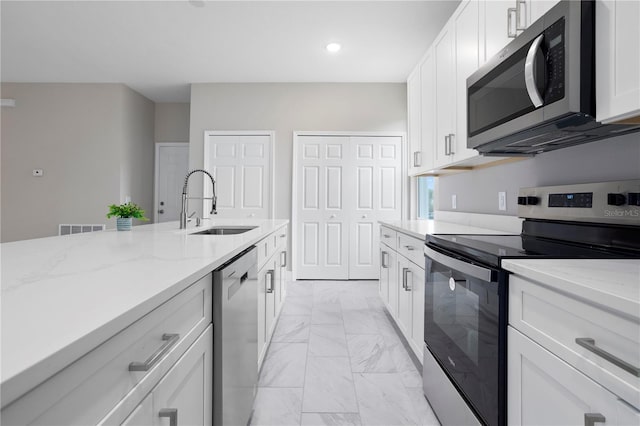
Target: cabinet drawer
[544,390]
[282,238]
[555,320]
[388,237]
[411,248]
[86,390]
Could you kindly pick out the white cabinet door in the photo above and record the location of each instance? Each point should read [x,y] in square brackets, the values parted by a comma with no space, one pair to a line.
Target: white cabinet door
[405,305]
[417,308]
[394,283]
[428,111]
[445,94]
[618,64]
[467,60]
[496,34]
[322,217]
[142,415]
[241,166]
[414,114]
[375,169]
[544,390]
[537,8]
[383,283]
[188,387]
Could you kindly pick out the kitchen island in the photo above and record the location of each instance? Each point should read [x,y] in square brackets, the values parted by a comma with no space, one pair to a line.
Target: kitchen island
[62,297]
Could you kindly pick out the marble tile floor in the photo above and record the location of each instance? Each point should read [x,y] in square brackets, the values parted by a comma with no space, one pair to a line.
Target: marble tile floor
[336,359]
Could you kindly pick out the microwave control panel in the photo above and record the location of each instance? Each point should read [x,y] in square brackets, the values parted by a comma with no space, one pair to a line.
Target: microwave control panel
[554,46]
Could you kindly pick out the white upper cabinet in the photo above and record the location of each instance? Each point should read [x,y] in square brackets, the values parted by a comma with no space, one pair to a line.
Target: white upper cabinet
[537,8]
[467,60]
[617,60]
[428,115]
[414,126]
[497,25]
[445,96]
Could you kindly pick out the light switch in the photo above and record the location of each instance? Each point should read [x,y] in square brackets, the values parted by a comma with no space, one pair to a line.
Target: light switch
[38,172]
[502,201]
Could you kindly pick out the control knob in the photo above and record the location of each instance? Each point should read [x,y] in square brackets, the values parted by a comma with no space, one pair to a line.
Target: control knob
[616,199]
[528,200]
[634,198]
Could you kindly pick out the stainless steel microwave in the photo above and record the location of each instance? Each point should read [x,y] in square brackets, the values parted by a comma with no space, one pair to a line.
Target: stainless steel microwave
[538,93]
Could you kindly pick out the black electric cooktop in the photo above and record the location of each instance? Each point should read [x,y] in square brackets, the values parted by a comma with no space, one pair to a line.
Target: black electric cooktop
[491,249]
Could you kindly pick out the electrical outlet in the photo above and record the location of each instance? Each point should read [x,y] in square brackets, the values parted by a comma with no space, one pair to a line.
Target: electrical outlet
[502,201]
[454,201]
[38,172]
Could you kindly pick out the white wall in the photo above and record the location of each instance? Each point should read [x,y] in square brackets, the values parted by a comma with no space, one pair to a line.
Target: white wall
[79,135]
[600,161]
[289,107]
[172,122]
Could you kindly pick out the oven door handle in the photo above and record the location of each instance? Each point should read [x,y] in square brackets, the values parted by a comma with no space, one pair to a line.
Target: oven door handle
[463,267]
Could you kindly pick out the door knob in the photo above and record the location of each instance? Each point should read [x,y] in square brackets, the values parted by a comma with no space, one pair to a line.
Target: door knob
[364,216]
[333,216]
[252,215]
[161,211]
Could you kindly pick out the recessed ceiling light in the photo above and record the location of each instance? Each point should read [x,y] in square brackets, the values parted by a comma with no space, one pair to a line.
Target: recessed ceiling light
[333,47]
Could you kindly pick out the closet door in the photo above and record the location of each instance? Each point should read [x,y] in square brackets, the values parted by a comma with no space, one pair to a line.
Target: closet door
[375,178]
[241,166]
[322,216]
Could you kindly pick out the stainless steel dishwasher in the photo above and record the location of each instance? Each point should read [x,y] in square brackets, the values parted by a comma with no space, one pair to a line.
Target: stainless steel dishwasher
[235,339]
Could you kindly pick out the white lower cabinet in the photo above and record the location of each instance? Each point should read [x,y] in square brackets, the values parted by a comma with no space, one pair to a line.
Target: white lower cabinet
[271,286]
[544,390]
[401,285]
[184,395]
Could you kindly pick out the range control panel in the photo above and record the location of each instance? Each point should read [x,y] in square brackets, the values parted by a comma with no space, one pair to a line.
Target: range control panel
[602,202]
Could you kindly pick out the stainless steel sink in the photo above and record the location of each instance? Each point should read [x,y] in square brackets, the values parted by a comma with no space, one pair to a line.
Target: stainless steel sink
[225,230]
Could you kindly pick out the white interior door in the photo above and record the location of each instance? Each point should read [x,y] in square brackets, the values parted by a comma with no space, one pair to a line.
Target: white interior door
[172,164]
[322,220]
[376,163]
[343,186]
[241,165]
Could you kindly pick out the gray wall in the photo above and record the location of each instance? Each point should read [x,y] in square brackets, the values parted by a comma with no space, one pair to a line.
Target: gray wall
[79,135]
[289,107]
[172,122]
[477,190]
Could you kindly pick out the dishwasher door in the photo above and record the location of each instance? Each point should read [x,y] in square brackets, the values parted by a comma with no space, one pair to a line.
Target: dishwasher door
[235,344]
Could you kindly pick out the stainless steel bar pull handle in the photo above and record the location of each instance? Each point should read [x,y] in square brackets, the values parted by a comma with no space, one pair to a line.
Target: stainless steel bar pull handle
[590,344]
[171,413]
[590,419]
[410,248]
[451,136]
[383,260]
[270,274]
[510,13]
[417,158]
[446,145]
[170,340]
[283,261]
[409,275]
[404,278]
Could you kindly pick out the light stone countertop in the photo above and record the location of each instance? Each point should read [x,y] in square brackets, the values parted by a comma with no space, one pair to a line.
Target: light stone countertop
[63,296]
[420,228]
[614,283]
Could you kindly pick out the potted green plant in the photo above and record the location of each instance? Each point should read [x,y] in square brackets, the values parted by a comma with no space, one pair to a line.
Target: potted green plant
[125,214]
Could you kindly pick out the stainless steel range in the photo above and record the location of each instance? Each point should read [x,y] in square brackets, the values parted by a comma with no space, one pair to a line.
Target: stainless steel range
[465,366]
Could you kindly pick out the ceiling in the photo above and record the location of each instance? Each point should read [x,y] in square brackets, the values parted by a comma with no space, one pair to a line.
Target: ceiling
[159,47]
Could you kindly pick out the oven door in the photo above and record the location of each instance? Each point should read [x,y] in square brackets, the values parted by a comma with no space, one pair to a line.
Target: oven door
[465,312]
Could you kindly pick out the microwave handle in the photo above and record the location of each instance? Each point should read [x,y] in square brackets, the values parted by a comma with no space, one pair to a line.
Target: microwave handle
[475,271]
[529,76]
